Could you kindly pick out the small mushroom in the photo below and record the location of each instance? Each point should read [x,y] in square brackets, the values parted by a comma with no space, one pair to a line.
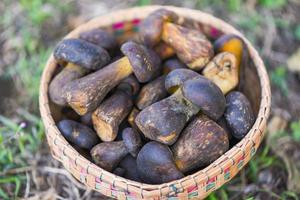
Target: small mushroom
[176,78]
[69,73]
[85,94]
[164,51]
[109,115]
[156,165]
[233,44]
[151,26]
[78,134]
[172,64]
[238,114]
[201,143]
[190,45]
[82,53]
[130,168]
[151,93]
[132,140]
[100,38]
[130,85]
[223,71]
[87,119]
[164,120]
[107,155]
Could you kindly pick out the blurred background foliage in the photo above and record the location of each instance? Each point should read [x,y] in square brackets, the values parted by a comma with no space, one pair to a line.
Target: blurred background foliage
[29,29]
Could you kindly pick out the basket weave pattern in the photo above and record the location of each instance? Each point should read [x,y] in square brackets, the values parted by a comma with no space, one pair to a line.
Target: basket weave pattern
[123,24]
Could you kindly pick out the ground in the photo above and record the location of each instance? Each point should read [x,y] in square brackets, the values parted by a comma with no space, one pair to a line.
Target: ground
[29,29]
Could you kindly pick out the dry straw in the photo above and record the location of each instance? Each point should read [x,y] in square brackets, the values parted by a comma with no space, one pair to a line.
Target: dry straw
[124,23]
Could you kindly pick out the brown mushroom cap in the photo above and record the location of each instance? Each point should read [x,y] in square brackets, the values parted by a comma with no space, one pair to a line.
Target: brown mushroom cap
[100,38]
[151,93]
[176,78]
[163,121]
[223,71]
[130,167]
[206,95]
[130,85]
[132,141]
[156,165]
[151,27]
[190,45]
[78,134]
[145,63]
[107,155]
[172,64]
[81,53]
[239,114]
[201,143]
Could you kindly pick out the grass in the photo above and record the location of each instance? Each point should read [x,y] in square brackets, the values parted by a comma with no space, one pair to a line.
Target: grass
[278,78]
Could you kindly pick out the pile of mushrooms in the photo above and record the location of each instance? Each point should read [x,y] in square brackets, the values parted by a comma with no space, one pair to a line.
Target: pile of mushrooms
[155,109]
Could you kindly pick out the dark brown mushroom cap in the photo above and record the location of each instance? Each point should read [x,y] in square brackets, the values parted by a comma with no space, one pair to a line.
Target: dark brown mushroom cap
[130,167]
[81,53]
[132,141]
[162,121]
[206,95]
[145,63]
[78,134]
[151,27]
[172,64]
[239,114]
[130,85]
[107,155]
[176,78]
[156,165]
[151,93]
[100,38]
[201,143]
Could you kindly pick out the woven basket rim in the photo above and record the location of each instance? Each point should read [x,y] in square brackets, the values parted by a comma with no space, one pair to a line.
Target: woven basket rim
[253,137]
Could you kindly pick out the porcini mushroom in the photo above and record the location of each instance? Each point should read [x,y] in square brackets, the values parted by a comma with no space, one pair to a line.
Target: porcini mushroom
[68,74]
[156,165]
[164,120]
[172,64]
[201,143]
[100,38]
[86,94]
[82,53]
[176,78]
[112,111]
[164,51]
[223,71]
[108,154]
[130,168]
[151,93]
[78,134]
[233,44]
[190,45]
[238,114]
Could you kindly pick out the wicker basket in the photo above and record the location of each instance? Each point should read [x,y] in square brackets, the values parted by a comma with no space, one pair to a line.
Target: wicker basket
[255,85]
